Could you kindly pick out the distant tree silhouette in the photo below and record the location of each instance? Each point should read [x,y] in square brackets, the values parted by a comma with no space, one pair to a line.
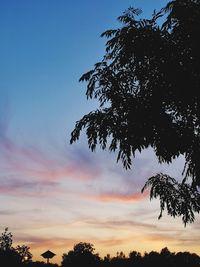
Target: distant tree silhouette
[148,88]
[6,240]
[120,260]
[14,257]
[106,261]
[185,259]
[152,259]
[167,258]
[135,259]
[81,255]
[40,264]
[8,255]
[24,253]
[77,258]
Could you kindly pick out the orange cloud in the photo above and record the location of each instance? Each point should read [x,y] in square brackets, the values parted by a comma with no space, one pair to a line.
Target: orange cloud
[135,197]
[114,242]
[160,237]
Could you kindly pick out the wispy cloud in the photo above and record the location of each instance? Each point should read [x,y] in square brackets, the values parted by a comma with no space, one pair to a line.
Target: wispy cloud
[45,242]
[160,237]
[116,224]
[6,212]
[28,166]
[112,197]
[18,186]
[113,242]
[34,162]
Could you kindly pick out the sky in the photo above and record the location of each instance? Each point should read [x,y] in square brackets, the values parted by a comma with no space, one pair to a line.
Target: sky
[53,194]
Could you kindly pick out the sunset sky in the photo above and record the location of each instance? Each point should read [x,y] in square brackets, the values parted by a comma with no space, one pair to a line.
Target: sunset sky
[53,194]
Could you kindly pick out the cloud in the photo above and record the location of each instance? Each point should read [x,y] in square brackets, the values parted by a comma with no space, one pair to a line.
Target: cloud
[34,162]
[112,242]
[34,167]
[160,237]
[40,242]
[188,241]
[113,197]
[30,167]
[6,212]
[17,186]
[116,224]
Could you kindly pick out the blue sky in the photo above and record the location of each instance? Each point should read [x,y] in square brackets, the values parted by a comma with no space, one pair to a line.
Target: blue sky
[60,194]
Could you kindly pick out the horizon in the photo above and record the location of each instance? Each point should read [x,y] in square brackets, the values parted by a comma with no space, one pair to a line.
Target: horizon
[81,251]
[53,194]
[95,252]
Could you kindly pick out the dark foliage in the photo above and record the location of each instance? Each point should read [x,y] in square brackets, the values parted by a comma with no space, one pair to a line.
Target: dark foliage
[148,87]
[6,240]
[10,256]
[180,199]
[165,259]
[24,253]
[82,254]
[40,264]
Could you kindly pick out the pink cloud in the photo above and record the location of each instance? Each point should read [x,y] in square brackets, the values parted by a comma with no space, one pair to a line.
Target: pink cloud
[19,186]
[29,165]
[36,163]
[110,197]
[30,169]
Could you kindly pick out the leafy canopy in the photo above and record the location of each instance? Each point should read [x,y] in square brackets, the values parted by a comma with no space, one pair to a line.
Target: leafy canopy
[147,85]
[10,256]
[81,255]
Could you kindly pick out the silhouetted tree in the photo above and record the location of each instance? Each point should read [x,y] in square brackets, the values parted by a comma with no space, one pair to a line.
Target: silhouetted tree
[24,253]
[135,259]
[40,264]
[148,88]
[106,261]
[8,255]
[167,258]
[152,259]
[6,240]
[185,259]
[81,255]
[120,260]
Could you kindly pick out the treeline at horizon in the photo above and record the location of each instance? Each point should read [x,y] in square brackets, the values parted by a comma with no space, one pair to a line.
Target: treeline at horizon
[83,254]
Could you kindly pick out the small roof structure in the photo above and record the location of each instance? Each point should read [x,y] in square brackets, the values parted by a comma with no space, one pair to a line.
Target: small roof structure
[48,255]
